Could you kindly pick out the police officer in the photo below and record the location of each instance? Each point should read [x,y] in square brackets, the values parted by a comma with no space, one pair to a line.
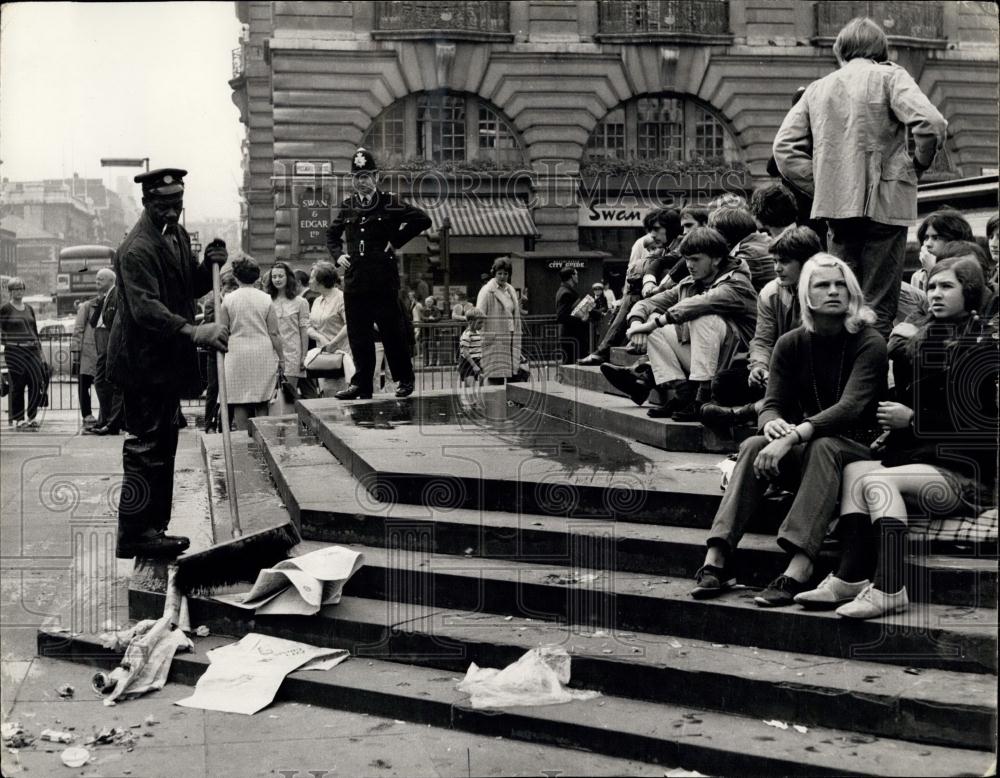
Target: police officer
[363,238]
[152,357]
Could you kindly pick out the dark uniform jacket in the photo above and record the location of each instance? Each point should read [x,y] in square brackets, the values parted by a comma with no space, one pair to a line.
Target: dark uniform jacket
[156,298]
[363,232]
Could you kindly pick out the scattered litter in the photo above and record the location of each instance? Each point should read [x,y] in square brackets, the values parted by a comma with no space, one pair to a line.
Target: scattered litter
[272,716]
[113,736]
[871,678]
[75,757]
[15,736]
[202,631]
[720,645]
[607,651]
[56,736]
[398,721]
[674,643]
[299,586]
[243,677]
[680,772]
[382,764]
[150,720]
[636,650]
[560,579]
[912,670]
[66,691]
[800,729]
[776,723]
[468,551]
[507,618]
[726,467]
[537,678]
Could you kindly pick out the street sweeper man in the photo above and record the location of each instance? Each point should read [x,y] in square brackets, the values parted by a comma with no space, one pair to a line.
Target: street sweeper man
[153,357]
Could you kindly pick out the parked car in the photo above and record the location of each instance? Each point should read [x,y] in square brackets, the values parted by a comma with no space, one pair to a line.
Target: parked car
[56,336]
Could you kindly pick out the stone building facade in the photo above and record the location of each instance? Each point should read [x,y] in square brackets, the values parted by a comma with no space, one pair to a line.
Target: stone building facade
[574,112]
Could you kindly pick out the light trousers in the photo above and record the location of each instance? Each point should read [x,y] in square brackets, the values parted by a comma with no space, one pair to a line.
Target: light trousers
[698,360]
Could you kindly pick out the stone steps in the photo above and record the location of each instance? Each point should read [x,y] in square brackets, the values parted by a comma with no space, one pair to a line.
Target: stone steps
[326,502]
[664,733]
[936,706]
[583,401]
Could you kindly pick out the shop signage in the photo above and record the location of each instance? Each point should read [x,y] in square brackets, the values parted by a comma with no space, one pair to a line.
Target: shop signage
[611,215]
[559,264]
[312,220]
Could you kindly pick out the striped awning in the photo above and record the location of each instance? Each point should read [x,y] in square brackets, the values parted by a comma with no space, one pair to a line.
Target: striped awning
[481,218]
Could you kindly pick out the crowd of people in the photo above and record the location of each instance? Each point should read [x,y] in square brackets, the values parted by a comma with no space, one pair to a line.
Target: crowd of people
[869,394]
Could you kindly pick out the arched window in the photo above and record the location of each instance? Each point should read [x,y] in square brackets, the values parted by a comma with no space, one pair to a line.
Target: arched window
[667,127]
[447,127]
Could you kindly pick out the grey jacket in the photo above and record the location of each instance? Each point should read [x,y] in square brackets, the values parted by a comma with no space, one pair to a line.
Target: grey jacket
[844,143]
[777,313]
[730,295]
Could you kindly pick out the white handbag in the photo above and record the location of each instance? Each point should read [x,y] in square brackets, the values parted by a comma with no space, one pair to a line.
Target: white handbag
[319,361]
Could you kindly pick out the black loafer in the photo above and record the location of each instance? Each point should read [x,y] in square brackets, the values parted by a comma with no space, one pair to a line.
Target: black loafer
[625,380]
[711,581]
[353,392]
[404,389]
[780,592]
[163,546]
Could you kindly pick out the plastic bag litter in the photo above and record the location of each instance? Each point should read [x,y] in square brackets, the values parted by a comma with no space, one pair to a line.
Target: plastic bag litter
[726,467]
[537,678]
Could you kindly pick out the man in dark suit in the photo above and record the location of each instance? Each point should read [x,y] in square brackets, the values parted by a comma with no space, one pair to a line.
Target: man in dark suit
[152,357]
[102,317]
[363,239]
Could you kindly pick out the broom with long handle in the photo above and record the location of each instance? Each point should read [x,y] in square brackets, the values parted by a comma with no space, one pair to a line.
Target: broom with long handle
[238,560]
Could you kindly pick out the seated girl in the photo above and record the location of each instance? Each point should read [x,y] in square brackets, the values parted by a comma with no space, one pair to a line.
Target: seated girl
[825,380]
[940,453]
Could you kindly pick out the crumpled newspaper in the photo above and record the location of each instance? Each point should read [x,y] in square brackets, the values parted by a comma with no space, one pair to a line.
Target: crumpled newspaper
[149,648]
[537,678]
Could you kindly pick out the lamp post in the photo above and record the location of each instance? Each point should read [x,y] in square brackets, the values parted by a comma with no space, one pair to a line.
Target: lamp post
[125,162]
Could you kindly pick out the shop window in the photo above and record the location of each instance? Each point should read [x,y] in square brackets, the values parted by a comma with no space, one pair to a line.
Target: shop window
[662,127]
[608,138]
[496,139]
[441,127]
[385,138]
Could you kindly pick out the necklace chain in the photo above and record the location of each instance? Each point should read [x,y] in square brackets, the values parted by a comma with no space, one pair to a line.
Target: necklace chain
[812,373]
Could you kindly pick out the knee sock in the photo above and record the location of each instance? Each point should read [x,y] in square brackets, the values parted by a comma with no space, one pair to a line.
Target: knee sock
[860,550]
[891,536]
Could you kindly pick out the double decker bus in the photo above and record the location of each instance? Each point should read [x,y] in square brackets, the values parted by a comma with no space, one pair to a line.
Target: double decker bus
[76,276]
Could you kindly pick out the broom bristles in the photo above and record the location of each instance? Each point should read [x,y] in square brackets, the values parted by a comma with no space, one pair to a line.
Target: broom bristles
[235,561]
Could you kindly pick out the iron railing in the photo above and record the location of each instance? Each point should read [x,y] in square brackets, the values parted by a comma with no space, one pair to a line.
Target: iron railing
[902,21]
[477,16]
[435,360]
[664,17]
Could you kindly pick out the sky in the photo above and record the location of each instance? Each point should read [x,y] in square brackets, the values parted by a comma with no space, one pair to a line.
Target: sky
[82,81]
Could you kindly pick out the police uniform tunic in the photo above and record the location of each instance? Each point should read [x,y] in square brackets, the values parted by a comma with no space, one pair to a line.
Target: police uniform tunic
[367,233]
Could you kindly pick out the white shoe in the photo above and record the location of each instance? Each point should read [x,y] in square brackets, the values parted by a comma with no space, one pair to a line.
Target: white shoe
[89,421]
[830,593]
[872,603]
[32,425]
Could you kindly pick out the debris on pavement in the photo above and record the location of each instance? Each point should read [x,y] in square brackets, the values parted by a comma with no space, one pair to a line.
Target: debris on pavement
[75,757]
[66,691]
[150,720]
[680,772]
[202,631]
[776,723]
[560,579]
[243,677]
[537,678]
[299,586]
[56,736]
[16,736]
[117,736]
[800,729]
[912,670]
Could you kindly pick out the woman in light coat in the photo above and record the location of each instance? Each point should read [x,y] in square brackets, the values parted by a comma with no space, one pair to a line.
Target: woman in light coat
[498,301]
[86,346]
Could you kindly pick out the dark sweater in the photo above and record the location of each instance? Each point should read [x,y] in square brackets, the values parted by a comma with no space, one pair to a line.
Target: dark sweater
[800,356]
[18,328]
[952,392]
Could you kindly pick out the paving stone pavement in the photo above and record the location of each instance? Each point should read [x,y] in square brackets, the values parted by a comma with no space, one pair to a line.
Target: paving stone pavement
[58,569]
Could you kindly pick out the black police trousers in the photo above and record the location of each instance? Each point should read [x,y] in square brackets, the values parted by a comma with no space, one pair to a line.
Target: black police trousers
[148,455]
[362,312]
